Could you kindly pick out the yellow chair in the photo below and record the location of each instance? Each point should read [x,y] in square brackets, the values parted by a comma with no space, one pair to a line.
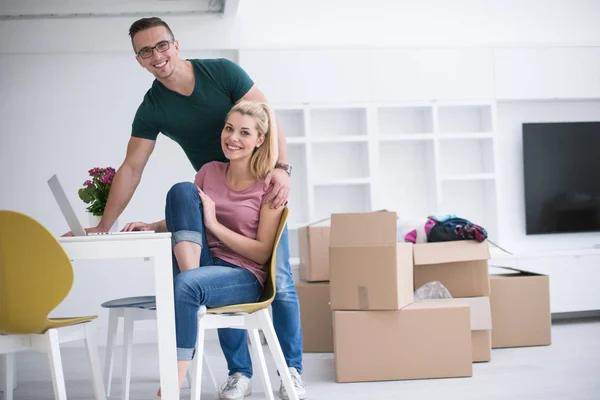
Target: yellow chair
[252,317]
[35,277]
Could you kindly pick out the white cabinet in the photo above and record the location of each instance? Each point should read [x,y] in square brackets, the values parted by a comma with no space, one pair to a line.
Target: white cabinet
[426,74]
[547,73]
[343,198]
[405,178]
[574,276]
[317,76]
[417,159]
[363,75]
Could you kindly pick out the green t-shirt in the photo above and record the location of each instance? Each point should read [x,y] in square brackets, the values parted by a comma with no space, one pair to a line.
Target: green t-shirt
[195,121]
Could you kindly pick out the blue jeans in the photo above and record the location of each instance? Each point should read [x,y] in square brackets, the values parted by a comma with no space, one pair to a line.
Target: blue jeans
[215,283]
[286,319]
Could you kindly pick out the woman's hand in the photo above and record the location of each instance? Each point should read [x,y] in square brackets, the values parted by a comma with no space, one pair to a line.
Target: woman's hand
[208,209]
[138,226]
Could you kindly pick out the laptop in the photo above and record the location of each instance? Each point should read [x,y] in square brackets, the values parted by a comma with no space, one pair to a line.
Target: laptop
[69,213]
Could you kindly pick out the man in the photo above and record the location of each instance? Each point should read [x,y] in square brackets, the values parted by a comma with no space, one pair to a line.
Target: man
[188,102]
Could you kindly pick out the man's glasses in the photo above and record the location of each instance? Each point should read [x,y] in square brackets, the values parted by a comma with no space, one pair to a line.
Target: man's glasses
[161,47]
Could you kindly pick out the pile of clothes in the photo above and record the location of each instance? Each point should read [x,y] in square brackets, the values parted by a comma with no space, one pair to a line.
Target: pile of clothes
[440,228]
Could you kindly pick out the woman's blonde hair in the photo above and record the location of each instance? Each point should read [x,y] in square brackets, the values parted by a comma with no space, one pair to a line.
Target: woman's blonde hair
[265,156]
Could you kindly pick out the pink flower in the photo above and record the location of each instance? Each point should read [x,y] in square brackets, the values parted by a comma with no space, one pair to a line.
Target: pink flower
[88,183]
[105,178]
[94,171]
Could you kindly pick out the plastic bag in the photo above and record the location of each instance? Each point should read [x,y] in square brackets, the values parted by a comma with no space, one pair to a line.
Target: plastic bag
[432,290]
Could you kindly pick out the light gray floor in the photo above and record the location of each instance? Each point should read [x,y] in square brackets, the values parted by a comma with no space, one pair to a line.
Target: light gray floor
[569,369]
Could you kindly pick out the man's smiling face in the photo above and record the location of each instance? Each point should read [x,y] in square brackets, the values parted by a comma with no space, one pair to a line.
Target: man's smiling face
[159,64]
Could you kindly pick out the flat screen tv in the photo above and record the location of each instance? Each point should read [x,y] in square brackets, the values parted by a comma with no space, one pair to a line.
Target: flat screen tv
[561,166]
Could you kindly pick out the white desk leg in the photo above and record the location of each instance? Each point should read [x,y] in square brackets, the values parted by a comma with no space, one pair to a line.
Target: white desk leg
[165,320]
[8,375]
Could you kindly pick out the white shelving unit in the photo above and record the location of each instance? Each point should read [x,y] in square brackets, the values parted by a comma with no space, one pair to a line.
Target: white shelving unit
[416,159]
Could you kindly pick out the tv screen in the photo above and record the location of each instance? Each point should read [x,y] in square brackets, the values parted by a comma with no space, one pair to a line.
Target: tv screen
[561,165]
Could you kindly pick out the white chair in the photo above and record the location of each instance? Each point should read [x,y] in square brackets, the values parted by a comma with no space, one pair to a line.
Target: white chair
[252,317]
[130,310]
[49,343]
[36,276]
[8,372]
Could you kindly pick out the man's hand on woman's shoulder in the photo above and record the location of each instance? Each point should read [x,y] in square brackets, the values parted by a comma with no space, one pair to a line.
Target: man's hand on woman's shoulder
[280,180]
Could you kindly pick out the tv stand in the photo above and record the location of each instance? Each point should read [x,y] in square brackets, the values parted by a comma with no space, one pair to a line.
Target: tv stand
[574,274]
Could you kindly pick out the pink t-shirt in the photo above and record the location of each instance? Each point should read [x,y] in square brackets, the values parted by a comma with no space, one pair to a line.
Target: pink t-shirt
[237,210]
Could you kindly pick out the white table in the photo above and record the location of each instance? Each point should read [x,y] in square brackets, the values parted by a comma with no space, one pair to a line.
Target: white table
[157,248]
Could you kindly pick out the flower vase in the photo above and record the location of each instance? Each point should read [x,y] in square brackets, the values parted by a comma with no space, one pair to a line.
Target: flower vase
[95,220]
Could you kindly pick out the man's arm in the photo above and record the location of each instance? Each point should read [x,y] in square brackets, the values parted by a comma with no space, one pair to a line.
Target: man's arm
[126,180]
[278,178]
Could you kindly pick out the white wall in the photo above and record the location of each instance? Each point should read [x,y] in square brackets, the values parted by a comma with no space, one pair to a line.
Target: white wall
[293,23]
[70,88]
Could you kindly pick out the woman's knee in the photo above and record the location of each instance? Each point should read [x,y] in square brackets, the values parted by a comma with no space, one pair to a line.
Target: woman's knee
[182,189]
[183,194]
[186,289]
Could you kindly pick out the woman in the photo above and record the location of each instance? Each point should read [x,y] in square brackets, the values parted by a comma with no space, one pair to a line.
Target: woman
[223,232]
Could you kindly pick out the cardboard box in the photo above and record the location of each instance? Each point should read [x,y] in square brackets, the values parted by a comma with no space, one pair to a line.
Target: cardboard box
[423,340]
[461,266]
[520,303]
[480,324]
[368,269]
[481,344]
[313,243]
[316,317]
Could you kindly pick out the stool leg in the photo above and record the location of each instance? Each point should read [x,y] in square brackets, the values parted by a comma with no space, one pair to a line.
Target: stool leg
[109,358]
[127,344]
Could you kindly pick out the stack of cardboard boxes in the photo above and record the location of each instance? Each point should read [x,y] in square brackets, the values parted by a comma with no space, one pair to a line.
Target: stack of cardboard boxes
[379,331]
[313,291]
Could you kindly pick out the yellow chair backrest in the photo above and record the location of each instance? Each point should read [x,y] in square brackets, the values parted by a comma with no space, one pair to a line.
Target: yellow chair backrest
[35,274]
[269,290]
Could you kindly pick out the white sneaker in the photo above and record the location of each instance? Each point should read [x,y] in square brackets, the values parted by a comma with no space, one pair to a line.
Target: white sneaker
[236,388]
[299,386]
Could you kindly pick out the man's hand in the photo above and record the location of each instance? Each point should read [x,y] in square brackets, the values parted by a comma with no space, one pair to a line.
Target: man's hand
[138,226]
[281,187]
[88,230]
[208,210]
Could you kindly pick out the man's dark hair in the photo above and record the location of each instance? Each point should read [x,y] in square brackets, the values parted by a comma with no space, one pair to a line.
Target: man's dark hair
[147,23]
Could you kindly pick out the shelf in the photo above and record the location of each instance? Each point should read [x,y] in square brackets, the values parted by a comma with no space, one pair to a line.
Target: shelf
[474,200]
[467,156]
[294,243]
[341,199]
[340,161]
[404,120]
[328,122]
[405,179]
[406,137]
[294,140]
[298,200]
[465,119]
[344,182]
[341,139]
[291,121]
[469,177]
[471,135]
[416,159]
